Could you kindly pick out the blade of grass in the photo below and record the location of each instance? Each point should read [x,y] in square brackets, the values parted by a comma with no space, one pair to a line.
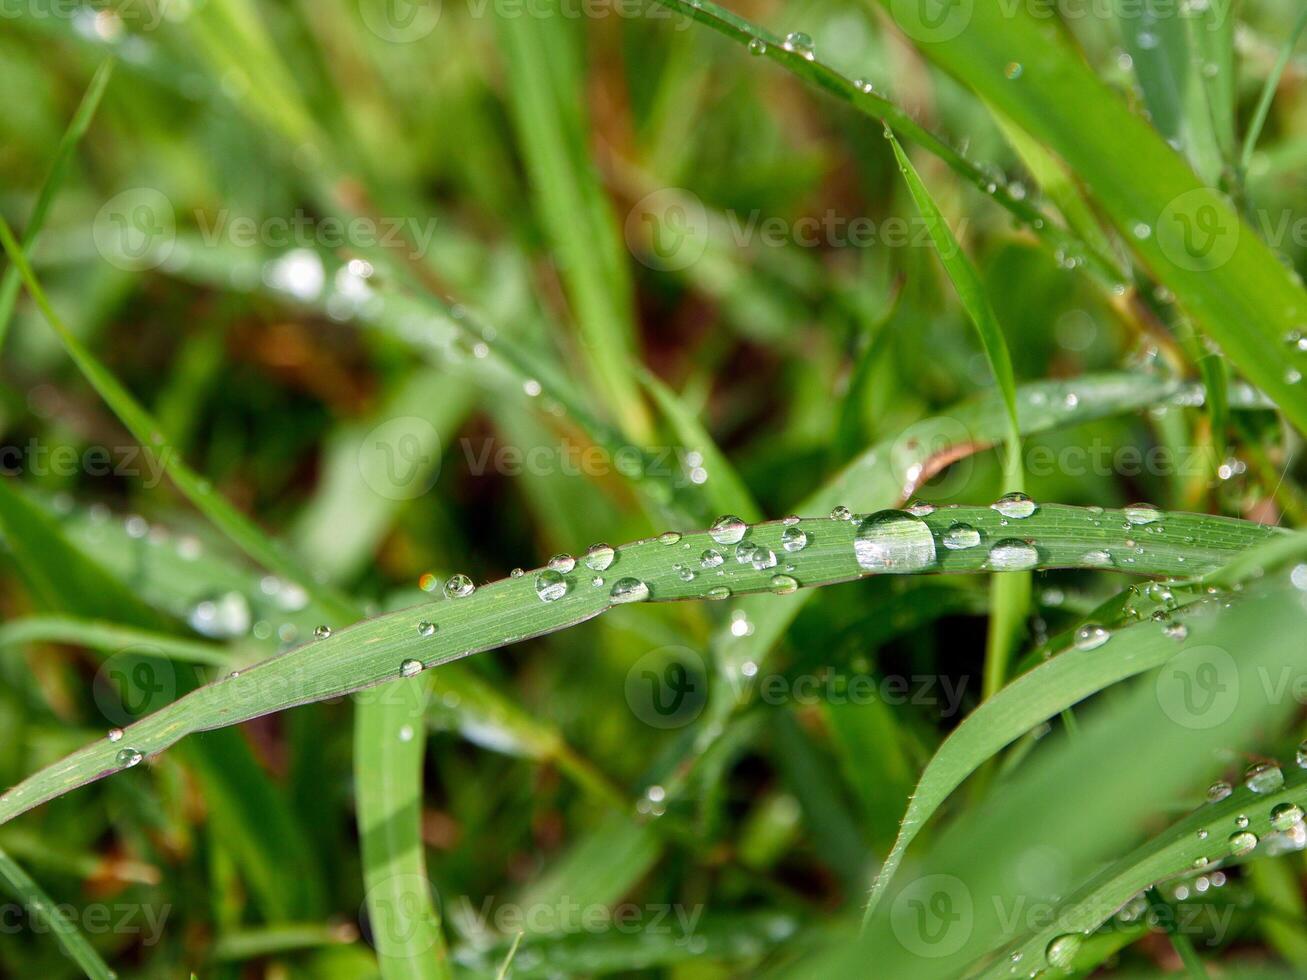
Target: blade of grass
[1267,97]
[102,635]
[35,902]
[54,179]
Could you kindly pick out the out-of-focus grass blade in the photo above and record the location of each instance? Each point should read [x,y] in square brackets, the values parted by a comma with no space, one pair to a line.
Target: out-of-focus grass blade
[81,120]
[20,885]
[545,93]
[1188,234]
[104,636]
[1267,97]
[535,603]
[389,744]
[1011,593]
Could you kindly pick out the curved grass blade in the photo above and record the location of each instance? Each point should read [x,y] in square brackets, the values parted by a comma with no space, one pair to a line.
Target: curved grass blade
[515,609]
[1267,97]
[1188,234]
[54,179]
[35,901]
[102,635]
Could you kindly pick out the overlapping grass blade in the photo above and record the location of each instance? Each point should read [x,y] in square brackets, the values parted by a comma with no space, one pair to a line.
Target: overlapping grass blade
[39,905]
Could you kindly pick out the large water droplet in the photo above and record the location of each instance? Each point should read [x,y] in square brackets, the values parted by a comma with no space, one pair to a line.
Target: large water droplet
[920,508]
[763,558]
[1218,791]
[669,537]
[1012,555]
[1061,952]
[961,536]
[1242,842]
[794,539]
[410,668]
[1142,514]
[893,541]
[800,44]
[426,629]
[840,513]
[126,758]
[629,590]
[784,584]
[718,592]
[757,46]
[1263,778]
[459,586]
[1285,815]
[322,633]
[599,557]
[711,558]
[1091,636]
[550,585]
[561,563]
[727,529]
[1015,505]
[1098,558]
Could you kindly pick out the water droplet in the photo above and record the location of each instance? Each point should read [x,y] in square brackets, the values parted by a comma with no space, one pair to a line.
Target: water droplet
[1202,833]
[711,558]
[1241,821]
[599,556]
[762,558]
[406,733]
[727,529]
[841,513]
[920,508]
[784,584]
[561,563]
[410,668]
[718,592]
[744,552]
[428,582]
[126,758]
[426,629]
[669,537]
[961,536]
[322,633]
[550,585]
[1097,557]
[1263,777]
[1013,71]
[517,573]
[794,539]
[1176,631]
[1143,231]
[1061,952]
[459,586]
[629,590]
[1141,514]
[757,46]
[1302,754]
[684,574]
[223,617]
[1015,505]
[893,541]
[1285,816]
[800,44]
[1292,376]
[1091,636]
[1012,555]
[1242,842]
[115,734]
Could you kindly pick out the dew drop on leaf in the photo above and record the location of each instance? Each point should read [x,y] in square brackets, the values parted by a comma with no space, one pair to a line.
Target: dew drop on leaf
[1015,505]
[894,541]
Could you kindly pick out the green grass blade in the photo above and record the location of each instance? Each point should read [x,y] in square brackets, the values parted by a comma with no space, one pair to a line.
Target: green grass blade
[509,610]
[105,636]
[1188,234]
[54,179]
[18,883]
[1264,101]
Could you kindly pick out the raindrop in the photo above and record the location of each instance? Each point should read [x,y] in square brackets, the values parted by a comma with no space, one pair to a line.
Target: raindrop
[1263,777]
[841,513]
[794,539]
[410,668]
[550,585]
[1242,842]
[744,552]
[920,508]
[711,558]
[426,629]
[757,46]
[1302,754]
[893,541]
[763,558]
[115,734]
[1097,557]
[784,584]
[800,44]
[718,592]
[1285,816]
[1061,952]
[1176,631]
[562,563]
[459,586]
[669,537]
[1241,821]
[727,530]
[1091,636]
[127,758]
[322,633]
[1015,505]
[599,557]
[961,536]
[1141,514]
[1143,231]
[1012,555]
[629,590]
